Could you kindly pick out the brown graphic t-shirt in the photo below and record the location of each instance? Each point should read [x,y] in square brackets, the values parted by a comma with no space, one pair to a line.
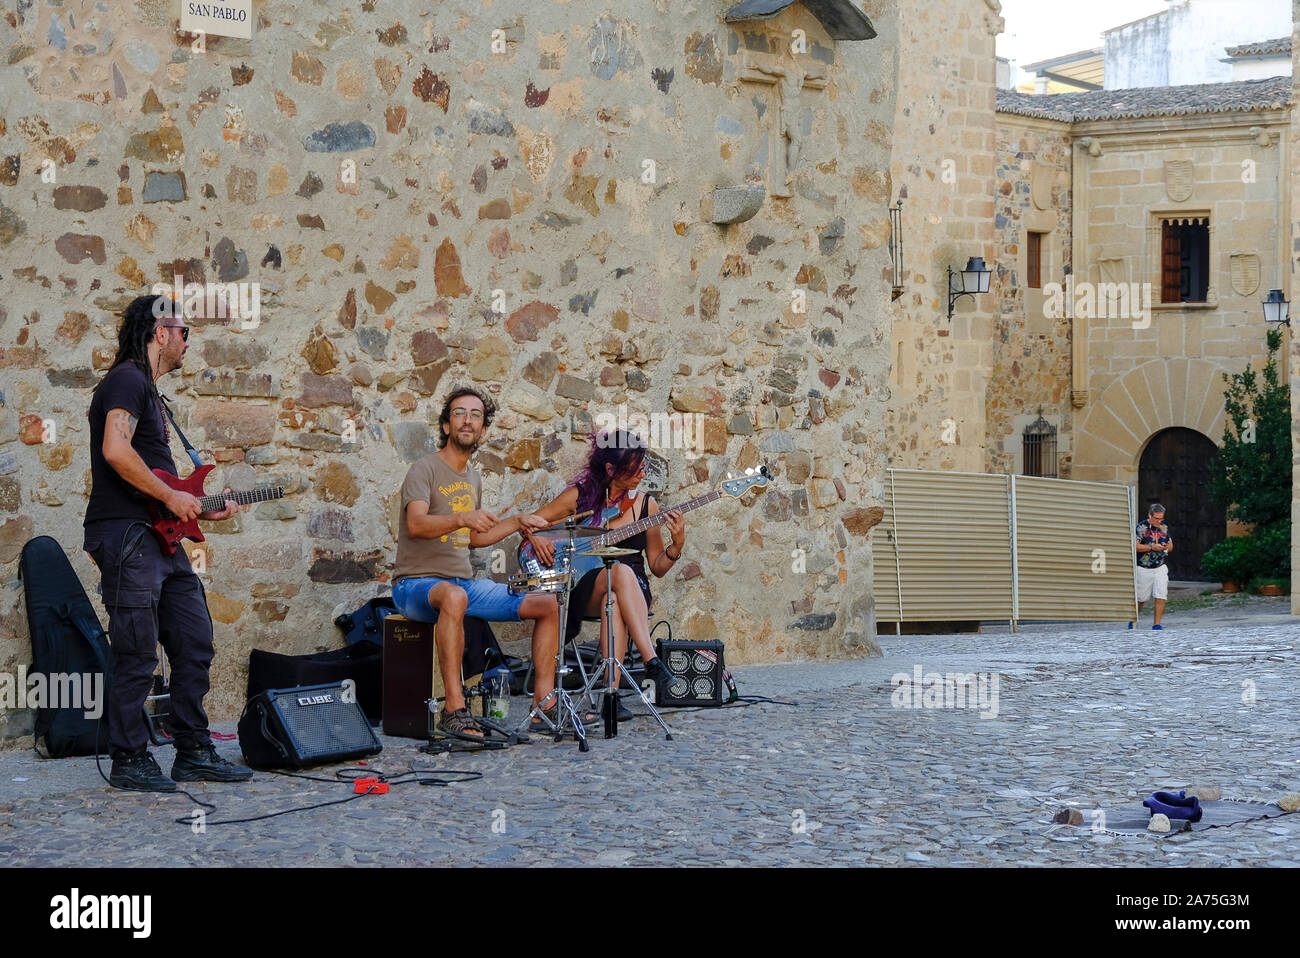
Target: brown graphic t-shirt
[447,492]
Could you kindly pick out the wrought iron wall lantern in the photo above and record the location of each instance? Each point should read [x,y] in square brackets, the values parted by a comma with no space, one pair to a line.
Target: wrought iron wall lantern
[896,247]
[1277,309]
[974,279]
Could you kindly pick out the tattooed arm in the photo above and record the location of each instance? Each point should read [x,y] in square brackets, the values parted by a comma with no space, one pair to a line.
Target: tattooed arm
[119,427]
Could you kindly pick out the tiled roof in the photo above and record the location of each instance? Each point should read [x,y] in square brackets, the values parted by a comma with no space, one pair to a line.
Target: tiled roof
[1238,97]
[1262,48]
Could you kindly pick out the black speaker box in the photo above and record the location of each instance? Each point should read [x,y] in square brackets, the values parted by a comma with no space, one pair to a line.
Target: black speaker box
[311,725]
[363,663]
[697,673]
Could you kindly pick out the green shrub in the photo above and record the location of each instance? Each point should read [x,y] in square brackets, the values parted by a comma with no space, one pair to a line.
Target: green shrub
[1233,560]
[1283,584]
[1274,545]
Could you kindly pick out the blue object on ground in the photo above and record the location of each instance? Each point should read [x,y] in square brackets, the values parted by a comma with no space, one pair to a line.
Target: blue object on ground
[1174,806]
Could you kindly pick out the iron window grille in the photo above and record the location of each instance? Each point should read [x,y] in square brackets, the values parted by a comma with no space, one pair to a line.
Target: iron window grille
[1039,440]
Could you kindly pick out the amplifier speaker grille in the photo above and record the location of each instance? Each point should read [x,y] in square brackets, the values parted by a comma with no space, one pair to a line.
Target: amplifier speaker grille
[697,673]
[312,725]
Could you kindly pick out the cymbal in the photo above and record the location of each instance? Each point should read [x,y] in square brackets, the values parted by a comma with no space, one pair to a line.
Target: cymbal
[610,552]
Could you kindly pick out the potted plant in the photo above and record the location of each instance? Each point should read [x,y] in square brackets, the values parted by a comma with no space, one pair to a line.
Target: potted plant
[1233,562]
[1272,586]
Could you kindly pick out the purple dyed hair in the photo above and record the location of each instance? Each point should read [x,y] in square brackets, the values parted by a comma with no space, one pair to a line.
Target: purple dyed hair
[623,450]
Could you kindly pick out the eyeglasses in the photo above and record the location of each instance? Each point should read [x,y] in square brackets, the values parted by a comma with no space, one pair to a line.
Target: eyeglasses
[474,414]
[185,331]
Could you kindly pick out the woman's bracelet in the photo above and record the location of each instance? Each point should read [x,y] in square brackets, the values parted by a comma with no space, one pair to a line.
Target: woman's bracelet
[671,557]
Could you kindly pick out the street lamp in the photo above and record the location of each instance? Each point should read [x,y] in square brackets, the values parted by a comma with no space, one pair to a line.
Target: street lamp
[1276,308]
[974,279]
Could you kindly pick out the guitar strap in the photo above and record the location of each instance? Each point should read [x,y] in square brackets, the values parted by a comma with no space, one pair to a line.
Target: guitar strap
[189,448]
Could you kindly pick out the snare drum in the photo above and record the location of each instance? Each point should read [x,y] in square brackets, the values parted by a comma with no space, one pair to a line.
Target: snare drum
[548,581]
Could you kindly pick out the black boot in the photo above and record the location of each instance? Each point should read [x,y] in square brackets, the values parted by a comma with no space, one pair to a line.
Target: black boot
[139,773]
[201,763]
[660,674]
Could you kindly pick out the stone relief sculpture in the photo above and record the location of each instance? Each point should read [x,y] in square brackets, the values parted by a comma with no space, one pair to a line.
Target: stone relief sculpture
[1042,178]
[1180,179]
[1245,273]
[1113,269]
[786,82]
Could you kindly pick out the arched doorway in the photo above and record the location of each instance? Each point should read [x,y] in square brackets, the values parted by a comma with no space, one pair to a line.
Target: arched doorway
[1175,471]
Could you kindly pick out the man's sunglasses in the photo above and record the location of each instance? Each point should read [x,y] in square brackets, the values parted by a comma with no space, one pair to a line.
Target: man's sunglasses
[185,331]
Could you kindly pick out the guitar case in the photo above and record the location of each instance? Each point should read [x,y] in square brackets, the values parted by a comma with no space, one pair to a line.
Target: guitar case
[67,639]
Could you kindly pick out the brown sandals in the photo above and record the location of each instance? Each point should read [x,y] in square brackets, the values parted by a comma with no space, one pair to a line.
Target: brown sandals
[460,724]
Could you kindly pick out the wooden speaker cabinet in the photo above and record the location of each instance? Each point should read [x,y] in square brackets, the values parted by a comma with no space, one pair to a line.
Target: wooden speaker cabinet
[412,677]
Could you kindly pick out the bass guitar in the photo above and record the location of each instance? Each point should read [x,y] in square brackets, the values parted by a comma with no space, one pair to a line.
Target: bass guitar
[579,562]
[169,531]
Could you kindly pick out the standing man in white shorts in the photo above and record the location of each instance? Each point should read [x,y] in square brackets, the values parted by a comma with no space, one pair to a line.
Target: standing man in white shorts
[1153,548]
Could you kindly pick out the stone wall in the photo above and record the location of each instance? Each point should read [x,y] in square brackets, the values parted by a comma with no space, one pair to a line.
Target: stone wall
[944,147]
[1031,344]
[1130,174]
[503,193]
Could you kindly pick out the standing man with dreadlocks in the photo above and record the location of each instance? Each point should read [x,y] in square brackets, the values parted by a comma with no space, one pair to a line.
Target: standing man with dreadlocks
[151,597]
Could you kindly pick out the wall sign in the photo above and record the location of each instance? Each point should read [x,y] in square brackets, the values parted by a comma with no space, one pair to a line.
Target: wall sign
[223,18]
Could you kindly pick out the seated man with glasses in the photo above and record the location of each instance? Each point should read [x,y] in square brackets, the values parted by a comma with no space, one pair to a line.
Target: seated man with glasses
[440,521]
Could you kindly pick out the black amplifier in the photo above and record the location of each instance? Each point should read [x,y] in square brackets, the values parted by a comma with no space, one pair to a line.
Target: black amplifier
[697,669]
[311,725]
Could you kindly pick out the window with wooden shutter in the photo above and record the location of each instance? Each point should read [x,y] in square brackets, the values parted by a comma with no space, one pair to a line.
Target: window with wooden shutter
[1184,260]
[1034,261]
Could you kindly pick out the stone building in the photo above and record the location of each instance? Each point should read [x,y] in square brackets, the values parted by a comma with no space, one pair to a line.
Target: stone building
[942,171]
[1084,191]
[514,195]
[1101,190]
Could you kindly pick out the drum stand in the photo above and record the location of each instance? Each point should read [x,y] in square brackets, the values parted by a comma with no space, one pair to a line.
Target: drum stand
[609,663]
[567,717]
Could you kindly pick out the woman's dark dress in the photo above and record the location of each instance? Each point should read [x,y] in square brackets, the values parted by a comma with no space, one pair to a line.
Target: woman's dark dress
[581,594]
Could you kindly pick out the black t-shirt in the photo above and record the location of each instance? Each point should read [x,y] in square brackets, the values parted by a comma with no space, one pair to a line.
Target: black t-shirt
[125,387]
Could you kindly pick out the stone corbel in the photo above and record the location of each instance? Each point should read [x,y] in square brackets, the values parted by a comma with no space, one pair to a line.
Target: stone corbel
[732,204]
[1078,398]
[1091,144]
[1261,136]
[994,22]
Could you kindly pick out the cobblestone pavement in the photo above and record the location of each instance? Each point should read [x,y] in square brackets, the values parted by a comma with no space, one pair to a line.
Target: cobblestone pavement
[1085,715]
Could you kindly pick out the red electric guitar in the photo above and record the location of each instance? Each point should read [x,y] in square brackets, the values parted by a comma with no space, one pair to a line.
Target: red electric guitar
[169,531]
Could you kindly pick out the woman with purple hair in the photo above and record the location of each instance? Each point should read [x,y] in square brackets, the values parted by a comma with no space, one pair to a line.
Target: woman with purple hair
[614,470]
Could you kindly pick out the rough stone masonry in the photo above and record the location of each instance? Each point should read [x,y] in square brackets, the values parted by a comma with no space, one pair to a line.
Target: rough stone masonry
[504,193]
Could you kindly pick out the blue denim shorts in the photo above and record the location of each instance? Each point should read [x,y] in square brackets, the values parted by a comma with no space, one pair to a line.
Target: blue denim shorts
[488,600]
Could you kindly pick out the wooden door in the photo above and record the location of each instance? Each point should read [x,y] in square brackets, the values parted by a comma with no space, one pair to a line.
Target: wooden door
[1174,471]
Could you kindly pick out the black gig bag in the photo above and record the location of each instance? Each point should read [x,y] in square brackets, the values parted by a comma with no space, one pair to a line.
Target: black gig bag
[67,639]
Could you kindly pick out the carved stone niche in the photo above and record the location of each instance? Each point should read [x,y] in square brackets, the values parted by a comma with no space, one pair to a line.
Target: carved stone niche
[841,18]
